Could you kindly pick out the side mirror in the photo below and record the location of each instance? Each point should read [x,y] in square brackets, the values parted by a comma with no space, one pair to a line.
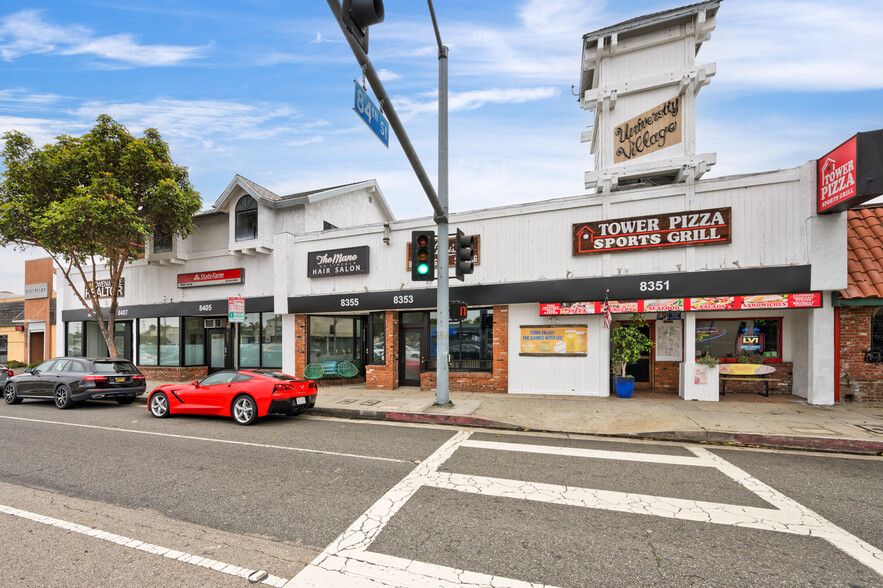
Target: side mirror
[195,383]
[29,370]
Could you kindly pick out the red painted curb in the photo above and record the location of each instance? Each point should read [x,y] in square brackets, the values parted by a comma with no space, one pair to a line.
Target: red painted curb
[814,443]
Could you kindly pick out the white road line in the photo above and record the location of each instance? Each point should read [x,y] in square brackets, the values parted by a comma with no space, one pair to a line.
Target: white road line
[210,564]
[805,520]
[192,438]
[685,460]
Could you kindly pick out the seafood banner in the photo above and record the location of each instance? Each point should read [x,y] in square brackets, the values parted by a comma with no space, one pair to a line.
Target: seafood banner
[758,302]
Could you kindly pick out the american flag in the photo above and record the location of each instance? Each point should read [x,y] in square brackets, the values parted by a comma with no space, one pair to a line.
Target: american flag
[608,316]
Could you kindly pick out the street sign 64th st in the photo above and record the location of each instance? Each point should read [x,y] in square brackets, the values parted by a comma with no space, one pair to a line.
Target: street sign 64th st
[368,112]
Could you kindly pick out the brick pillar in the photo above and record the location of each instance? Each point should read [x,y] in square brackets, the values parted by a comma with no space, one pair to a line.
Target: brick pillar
[300,343]
[386,376]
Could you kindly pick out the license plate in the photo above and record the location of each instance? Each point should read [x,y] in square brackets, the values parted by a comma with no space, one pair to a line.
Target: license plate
[121,379]
[300,400]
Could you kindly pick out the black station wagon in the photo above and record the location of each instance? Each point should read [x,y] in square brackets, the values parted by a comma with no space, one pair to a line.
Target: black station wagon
[66,380]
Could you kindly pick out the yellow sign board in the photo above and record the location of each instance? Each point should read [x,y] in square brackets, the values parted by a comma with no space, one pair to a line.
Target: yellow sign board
[554,340]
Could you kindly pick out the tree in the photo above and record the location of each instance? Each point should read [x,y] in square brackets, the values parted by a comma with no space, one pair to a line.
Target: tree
[93,200]
[629,342]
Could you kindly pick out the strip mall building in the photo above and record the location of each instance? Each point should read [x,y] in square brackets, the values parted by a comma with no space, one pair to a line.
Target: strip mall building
[321,279]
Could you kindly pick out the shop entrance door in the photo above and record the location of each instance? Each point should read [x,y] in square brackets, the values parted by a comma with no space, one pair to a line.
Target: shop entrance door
[216,350]
[122,338]
[410,355]
[643,370]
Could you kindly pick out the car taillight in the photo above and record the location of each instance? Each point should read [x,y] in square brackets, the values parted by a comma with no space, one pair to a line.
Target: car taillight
[313,385]
[139,377]
[280,387]
[96,379]
[9,373]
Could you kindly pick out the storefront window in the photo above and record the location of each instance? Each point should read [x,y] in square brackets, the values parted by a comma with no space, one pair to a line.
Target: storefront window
[96,346]
[471,342]
[378,338]
[877,331]
[334,339]
[731,338]
[162,242]
[75,339]
[148,335]
[4,348]
[250,340]
[194,341]
[170,341]
[271,338]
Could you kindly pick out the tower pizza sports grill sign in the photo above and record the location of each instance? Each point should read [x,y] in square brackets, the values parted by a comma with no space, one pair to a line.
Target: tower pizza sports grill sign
[698,227]
[852,173]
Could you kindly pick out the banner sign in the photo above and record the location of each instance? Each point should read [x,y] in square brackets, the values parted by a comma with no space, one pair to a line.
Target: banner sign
[103,290]
[476,252]
[759,302]
[850,174]
[212,278]
[648,132]
[560,340]
[338,262]
[700,227]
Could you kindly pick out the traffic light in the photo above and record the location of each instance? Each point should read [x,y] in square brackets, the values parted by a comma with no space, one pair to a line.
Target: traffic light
[422,256]
[463,254]
[358,15]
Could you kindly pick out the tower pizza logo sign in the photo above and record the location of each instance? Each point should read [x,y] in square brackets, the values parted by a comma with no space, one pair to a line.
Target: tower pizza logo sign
[836,175]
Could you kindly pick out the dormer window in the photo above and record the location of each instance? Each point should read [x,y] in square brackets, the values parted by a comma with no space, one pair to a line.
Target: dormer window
[162,242]
[246,219]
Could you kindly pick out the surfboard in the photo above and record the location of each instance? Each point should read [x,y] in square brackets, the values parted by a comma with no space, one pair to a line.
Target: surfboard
[745,369]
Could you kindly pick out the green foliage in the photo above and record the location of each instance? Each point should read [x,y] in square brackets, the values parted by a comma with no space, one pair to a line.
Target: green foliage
[749,357]
[708,360]
[629,342]
[93,200]
[14,363]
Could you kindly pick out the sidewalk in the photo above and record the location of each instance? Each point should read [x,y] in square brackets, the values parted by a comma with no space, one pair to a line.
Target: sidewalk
[749,419]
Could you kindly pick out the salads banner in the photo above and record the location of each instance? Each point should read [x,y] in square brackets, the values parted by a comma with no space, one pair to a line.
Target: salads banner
[758,302]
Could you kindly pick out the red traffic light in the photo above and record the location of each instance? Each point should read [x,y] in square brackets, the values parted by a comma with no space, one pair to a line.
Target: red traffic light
[422,241]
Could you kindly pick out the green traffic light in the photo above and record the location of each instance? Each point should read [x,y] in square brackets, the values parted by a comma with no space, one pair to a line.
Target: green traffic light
[422,268]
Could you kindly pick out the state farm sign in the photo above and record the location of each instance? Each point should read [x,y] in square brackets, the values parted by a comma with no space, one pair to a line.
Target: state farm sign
[700,227]
[211,278]
[850,174]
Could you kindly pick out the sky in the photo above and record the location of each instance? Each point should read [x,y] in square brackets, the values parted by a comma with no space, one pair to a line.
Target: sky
[264,89]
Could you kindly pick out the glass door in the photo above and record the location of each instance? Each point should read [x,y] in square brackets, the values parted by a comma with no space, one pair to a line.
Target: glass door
[216,349]
[410,356]
[122,339]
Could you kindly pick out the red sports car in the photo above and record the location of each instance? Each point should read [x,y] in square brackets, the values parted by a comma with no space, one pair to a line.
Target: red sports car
[245,395]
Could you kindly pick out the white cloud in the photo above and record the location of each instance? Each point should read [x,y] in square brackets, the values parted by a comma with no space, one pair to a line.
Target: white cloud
[387,75]
[26,32]
[472,100]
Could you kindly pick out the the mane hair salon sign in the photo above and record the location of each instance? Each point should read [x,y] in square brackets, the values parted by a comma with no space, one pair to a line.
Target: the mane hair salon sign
[648,132]
[698,227]
[337,262]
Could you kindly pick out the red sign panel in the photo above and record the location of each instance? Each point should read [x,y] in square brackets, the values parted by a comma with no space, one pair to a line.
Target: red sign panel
[836,175]
[759,302]
[211,278]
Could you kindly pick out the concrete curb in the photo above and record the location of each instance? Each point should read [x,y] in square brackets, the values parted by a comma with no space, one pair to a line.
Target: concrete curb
[413,417]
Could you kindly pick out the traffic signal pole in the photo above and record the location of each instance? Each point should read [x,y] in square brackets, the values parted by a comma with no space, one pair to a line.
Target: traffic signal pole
[439,201]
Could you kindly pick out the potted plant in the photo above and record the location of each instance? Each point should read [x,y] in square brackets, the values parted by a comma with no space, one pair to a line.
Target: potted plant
[629,342]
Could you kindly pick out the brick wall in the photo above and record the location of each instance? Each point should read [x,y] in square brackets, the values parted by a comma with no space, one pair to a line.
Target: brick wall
[386,376]
[495,381]
[300,344]
[666,375]
[174,374]
[781,381]
[859,380]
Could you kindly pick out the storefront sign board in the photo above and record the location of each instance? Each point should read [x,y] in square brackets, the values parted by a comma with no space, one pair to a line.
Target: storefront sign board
[759,302]
[338,262]
[236,309]
[699,227]
[35,291]
[103,290]
[212,278]
[850,174]
[650,131]
[558,340]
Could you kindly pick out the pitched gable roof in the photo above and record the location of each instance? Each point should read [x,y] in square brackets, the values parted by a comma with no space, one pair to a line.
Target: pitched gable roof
[864,237]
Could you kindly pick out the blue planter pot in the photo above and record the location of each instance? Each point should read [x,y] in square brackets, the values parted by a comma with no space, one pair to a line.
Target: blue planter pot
[624,386]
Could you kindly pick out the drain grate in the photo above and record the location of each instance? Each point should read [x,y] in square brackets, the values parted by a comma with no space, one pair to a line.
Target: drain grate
[878,429]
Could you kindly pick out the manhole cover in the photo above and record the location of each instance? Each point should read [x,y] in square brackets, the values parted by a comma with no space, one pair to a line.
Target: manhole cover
[878,429]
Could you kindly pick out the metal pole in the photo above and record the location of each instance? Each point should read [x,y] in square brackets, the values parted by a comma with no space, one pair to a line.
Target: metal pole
[391,115]
[443,315]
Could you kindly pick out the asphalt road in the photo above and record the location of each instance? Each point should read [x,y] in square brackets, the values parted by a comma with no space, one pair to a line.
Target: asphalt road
[196,501]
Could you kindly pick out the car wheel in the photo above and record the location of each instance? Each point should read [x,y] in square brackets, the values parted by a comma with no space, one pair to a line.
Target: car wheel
[159,405]
[63,397]
[10,395]
[126,400]
[245,411]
